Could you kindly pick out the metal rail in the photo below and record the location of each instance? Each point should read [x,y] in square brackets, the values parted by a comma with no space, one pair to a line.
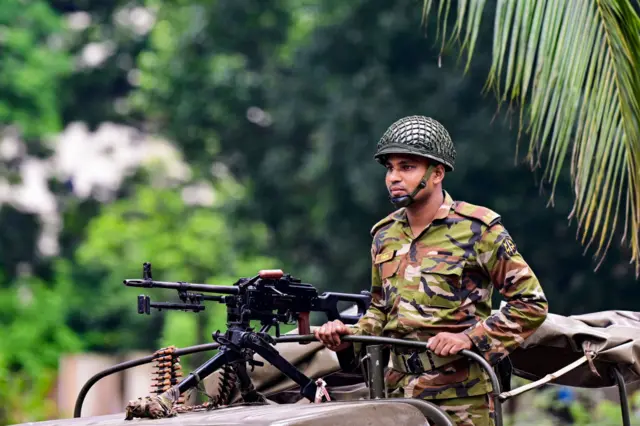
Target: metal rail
[622,391]
[428,409]
[77,410]
[296,338]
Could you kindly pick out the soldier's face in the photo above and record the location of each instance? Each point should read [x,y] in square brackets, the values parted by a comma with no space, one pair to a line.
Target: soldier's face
[404,173]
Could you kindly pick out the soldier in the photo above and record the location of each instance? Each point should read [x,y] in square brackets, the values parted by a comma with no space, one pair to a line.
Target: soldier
[435,263]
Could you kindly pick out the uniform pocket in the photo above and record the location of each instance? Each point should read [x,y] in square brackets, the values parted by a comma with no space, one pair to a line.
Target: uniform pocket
[388,264]
[441,281]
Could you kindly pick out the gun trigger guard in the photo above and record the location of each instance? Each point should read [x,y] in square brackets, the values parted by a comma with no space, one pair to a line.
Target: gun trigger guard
[253,363]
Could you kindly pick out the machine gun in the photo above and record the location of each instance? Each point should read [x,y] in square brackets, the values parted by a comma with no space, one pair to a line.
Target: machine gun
[271,297]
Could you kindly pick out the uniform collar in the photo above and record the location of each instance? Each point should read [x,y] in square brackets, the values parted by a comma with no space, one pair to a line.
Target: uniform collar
[443,210]
[445,207]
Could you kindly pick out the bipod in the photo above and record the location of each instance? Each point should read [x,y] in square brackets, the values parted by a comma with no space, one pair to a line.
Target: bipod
[237,347]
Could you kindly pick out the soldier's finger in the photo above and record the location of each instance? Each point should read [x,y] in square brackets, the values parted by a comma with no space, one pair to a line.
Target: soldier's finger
[323,339]
[329,334]
[435,341]
[432,342]
[455,349]
[335,337]
[441,344]
[446,350]
[340,327]
[328,338]
[323,335]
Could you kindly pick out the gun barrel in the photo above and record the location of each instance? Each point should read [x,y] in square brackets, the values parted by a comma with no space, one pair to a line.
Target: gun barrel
[205,288]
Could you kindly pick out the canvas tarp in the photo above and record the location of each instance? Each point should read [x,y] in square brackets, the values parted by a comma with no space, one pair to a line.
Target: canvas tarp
[614,337]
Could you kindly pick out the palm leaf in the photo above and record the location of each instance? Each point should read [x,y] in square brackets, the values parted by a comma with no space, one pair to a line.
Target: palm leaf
[574,68]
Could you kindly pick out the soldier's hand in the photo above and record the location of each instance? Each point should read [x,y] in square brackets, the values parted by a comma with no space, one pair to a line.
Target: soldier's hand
[445,344]
[329,334]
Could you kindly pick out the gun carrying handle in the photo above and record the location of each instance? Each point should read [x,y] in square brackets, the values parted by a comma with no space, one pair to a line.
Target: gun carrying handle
[349,319]
[273,274]
[362,302]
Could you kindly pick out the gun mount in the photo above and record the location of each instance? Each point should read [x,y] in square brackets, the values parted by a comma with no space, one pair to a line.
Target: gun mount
[271,297]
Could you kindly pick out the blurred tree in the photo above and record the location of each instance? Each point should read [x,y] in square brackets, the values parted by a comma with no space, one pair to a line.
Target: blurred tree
[63,61]
[291,96]
[572,67]
[33,63]
[297,116]
[33,320]
[202,81]
[104,40]
[187,234]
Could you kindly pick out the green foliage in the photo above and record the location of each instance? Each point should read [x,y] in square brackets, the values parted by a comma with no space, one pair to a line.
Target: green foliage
[297,119]
[291,97]
[572,68]
[542,407]
[183,243]
[33,63]
[202,74]
[104,39]
[35,332]
[606,413]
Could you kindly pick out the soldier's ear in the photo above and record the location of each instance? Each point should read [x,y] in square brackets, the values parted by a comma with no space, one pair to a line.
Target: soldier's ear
[438,174]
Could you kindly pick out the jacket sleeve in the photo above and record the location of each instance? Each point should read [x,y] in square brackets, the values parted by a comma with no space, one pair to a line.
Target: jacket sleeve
[526,306]
[370,324]
[375,318]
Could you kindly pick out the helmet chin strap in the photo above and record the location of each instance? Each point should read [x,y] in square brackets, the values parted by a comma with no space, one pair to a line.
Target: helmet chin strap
[405,200]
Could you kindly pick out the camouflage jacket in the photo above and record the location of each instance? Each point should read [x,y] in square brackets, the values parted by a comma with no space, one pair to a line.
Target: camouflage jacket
[443,280]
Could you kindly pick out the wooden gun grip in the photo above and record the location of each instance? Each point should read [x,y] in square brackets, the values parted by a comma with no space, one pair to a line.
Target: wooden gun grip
[303,324]
[271,274]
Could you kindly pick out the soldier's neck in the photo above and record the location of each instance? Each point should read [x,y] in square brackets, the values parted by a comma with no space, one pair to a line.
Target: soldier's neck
[421,214]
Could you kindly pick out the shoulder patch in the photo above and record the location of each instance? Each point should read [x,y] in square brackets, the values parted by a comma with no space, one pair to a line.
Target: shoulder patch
[483,214]
[509,246]
[383,257]
[382,222]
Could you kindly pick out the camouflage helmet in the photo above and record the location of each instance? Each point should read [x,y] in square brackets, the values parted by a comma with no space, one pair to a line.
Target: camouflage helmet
[418,135]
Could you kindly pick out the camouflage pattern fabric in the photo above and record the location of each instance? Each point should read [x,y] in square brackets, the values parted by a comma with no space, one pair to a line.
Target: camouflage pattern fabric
[155,407]
[470,411]
[443,280]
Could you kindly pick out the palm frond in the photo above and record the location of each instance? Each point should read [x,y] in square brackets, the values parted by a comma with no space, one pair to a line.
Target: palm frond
[573,66]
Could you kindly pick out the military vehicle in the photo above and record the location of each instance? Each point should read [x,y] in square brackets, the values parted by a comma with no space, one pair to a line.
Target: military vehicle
[595,350]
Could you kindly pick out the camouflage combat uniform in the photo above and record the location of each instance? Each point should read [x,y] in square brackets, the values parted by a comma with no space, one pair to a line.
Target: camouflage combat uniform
[443,280]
